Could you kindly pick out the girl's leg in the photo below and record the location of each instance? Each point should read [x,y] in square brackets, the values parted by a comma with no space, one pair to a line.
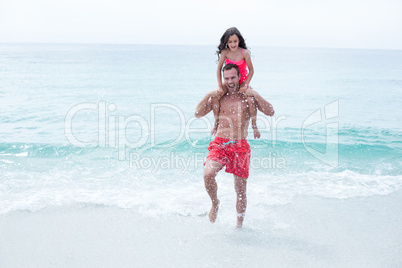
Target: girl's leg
[253,115]
[253,112]
[215,109]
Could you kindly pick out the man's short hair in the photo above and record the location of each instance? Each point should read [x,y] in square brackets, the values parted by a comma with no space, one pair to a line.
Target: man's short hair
[230,66]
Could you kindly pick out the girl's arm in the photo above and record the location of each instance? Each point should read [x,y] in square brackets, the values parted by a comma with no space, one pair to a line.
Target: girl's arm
[219,69]
[250,67]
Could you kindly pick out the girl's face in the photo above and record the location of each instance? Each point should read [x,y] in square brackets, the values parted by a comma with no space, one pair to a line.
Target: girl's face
[233,42]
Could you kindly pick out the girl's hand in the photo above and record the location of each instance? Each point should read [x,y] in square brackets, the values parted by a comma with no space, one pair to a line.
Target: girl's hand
[222,91]
[250,92]
[244,88]
[214,94]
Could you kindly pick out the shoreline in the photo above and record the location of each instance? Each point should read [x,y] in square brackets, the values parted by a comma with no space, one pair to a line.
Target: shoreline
[361,231]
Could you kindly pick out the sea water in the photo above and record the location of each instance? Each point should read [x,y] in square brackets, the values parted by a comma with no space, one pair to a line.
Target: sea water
[101,159]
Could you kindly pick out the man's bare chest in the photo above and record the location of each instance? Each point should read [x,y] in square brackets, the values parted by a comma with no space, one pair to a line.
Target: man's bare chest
[233,106]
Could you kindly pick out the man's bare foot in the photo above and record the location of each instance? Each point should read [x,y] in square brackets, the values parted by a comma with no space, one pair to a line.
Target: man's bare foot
[240,218]
[213,214]
[257,133]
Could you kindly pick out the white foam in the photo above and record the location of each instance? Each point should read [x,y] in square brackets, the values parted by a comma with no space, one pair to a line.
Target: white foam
[169,193]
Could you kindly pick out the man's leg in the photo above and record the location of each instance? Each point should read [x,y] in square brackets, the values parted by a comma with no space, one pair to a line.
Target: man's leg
[241,203]
[210,170]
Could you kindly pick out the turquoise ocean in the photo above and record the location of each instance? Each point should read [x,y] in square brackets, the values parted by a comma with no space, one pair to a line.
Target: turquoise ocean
[101,159]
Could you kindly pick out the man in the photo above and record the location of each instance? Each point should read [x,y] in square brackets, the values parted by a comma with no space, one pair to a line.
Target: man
[230,147]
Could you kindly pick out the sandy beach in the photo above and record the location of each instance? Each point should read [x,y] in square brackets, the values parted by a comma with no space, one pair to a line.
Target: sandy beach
[330,233]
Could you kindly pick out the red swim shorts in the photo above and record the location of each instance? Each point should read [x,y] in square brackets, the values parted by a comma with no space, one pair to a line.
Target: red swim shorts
[235,155]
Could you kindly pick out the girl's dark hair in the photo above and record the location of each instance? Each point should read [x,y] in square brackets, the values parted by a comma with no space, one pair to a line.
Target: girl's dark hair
[225,37]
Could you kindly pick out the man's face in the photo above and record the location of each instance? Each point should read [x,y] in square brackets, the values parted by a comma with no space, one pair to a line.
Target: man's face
[231,79]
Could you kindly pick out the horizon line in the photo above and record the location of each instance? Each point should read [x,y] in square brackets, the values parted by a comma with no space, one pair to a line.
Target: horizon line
[172,44]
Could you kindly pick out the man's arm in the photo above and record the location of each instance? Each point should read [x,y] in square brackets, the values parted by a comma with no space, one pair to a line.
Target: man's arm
[263,105]
[205,105]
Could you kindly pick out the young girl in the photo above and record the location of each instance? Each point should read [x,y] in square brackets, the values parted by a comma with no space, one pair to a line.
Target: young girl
[233,49]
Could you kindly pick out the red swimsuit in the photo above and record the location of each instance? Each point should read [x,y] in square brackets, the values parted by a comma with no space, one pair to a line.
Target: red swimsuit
[242,66]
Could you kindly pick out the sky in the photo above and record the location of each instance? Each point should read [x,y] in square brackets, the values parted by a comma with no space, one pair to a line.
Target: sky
[368,24]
